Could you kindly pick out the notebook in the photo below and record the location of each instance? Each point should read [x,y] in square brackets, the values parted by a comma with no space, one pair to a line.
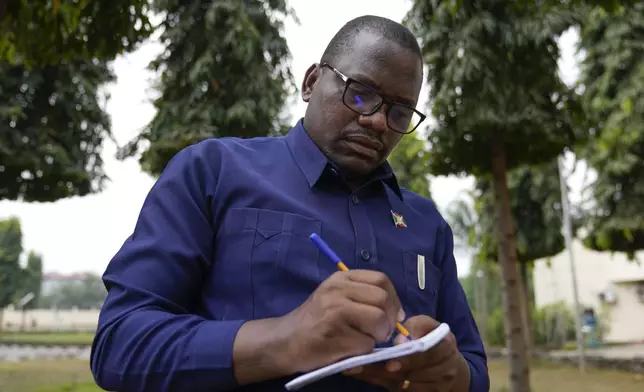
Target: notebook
[378,355]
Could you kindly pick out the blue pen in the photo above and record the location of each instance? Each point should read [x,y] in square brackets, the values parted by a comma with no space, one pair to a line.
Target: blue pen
[334,258]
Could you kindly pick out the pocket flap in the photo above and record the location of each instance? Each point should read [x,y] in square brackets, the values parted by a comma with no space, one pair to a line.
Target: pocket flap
[267,233]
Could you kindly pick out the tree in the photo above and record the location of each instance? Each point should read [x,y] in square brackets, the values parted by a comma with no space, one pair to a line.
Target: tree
[31,279]
[535,204]
[44,33]
[499,104]
[535,199]
[52,129]
[224,72]
[53,59]
[10,250]
[482,287]
[612,76]
[409,161]
[606,5]
[536,209]
[86,293]
[463,219]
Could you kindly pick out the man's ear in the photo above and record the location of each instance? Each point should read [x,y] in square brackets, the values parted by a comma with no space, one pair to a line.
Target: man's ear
[311,77]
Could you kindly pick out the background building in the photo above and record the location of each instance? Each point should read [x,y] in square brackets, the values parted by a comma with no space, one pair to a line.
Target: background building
[608,283]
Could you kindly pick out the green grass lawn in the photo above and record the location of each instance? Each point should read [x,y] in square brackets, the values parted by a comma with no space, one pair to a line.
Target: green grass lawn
[78,338]
[74,376]
[47,376]
[560,378]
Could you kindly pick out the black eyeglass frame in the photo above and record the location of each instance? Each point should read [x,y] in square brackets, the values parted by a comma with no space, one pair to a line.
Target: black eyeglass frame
[347,82]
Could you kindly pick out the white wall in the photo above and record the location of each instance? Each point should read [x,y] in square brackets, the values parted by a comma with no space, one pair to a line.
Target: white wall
[51,320]
[596,272]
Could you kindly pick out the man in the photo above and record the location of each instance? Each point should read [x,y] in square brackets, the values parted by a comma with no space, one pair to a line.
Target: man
[219,287]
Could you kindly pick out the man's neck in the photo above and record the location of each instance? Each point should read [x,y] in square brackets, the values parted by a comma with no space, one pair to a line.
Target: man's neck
[354,180]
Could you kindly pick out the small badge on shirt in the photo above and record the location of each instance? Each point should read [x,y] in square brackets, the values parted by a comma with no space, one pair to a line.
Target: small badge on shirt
[421,272]
[399,221]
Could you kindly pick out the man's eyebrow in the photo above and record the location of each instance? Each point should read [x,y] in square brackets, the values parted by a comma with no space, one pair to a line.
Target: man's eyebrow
[364,79]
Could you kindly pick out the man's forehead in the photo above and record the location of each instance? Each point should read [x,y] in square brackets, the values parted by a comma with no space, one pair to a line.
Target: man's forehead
[383,64]
[370,46]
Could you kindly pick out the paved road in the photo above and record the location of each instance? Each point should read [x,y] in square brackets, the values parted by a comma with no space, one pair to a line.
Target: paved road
[13,353]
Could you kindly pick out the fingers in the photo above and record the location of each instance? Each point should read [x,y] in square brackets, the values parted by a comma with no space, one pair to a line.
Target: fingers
[420,326]
[433,370]
[374,310]
[378,279]
[430,358]
[372,304]
[373,278]
[441,371]
[354,342]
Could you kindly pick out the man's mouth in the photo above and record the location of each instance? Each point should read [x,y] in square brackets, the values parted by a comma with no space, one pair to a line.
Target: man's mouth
[364,145]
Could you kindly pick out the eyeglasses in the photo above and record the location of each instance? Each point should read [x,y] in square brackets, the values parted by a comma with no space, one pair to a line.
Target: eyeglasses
[366,101]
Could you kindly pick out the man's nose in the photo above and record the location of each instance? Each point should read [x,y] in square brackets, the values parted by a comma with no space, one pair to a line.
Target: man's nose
[376,121]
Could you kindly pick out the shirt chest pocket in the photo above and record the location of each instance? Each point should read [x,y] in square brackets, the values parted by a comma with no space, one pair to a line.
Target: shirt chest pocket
[283,262]
[422,279]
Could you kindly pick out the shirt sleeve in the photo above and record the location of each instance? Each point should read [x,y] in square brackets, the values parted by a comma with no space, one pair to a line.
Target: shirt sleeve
[149,336]
[454,310]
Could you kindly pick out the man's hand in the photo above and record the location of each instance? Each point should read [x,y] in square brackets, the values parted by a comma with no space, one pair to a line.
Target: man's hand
[346,316]
[440,369]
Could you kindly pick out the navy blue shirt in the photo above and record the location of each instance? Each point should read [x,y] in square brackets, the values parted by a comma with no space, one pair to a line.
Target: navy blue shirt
[222,238]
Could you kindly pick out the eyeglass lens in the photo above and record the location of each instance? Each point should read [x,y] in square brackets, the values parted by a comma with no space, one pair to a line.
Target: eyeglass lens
[364,100]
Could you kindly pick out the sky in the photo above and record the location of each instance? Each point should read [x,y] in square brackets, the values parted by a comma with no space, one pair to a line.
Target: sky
[82,234]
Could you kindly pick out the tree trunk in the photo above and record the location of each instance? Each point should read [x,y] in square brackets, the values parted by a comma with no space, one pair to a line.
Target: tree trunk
[526,309]
[514,337]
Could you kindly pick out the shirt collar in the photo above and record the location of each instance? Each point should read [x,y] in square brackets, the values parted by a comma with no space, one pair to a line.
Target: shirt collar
[313,163]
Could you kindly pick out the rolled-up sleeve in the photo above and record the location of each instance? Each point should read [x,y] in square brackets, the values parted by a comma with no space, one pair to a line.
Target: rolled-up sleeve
[454,310]
[149,336]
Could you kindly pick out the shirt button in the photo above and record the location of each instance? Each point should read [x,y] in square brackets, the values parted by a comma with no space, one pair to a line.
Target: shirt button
[355,199]
[365,254]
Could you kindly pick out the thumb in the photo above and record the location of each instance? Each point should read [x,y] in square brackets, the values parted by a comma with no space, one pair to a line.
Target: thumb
[419,326]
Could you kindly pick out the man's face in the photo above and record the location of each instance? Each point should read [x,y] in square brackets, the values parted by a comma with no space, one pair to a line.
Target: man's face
[360,143]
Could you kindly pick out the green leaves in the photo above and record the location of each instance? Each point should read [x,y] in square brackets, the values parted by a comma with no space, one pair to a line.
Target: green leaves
[224,73]
[535,207]
[36,35]
[52,127]
[31,280]
[53,60]
[613,79]
[15,281]
[10,250]
[409,161]
[493,77]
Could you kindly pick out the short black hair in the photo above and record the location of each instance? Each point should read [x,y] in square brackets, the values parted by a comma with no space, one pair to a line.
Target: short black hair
[342,42]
